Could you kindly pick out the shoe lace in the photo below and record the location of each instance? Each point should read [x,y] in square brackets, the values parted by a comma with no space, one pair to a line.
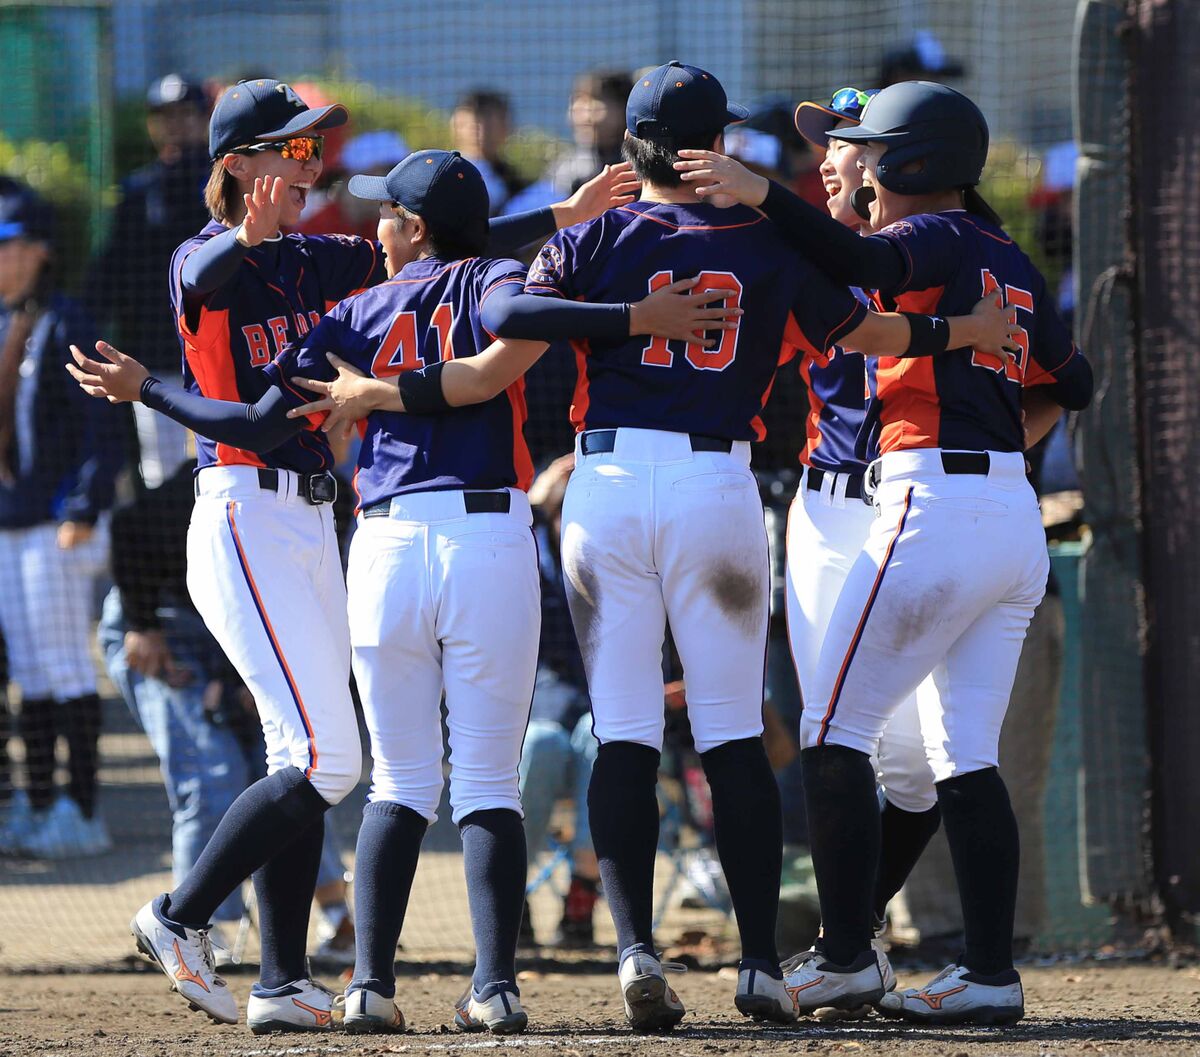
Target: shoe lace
[797,960]
[671,967]
[208,957]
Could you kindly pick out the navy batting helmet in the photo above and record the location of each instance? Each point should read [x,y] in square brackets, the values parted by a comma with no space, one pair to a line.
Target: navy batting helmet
[921,121]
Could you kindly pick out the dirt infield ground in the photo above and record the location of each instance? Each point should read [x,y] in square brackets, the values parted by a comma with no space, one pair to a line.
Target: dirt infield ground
[1128,1010]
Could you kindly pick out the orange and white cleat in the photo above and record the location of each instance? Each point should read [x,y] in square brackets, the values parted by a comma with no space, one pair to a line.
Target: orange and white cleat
[186,956]
[958,996]
[302,1005]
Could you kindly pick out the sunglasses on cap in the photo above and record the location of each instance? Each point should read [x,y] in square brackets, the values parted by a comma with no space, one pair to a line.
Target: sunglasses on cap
[298,148]
[850,102]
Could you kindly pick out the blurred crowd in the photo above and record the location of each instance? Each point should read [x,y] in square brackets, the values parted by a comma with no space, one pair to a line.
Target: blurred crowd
[95,500]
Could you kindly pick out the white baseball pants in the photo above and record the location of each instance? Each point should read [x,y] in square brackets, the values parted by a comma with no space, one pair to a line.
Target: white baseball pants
[654,532]
[265,574]
[826,532]
[442,598]
[951,573]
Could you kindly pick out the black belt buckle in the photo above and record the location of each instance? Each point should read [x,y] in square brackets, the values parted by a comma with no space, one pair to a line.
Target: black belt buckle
[318,488]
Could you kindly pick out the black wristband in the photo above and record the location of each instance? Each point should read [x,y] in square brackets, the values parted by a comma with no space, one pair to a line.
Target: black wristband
[421,390]
[929,335]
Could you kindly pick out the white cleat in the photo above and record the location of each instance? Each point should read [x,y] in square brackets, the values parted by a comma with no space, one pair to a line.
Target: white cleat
[650,1004]
[302,1005]
[815,983]
[497,1010]
[186,956]
[764,998]
[366,1013]
[958,996]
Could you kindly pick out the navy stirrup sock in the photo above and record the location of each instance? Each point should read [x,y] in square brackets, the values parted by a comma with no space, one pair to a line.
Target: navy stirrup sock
[283,891]
[748,822]
[981,830]
[265,818]
[843,828]
[385,862]
[904,835]
[494,859]
[623,811]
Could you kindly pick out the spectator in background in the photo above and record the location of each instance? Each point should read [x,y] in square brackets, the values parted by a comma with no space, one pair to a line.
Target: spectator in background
[480,125]
[59,455]
[161,205]
[794,161]
[922,59]
[337,212]
[596,114]
[559,749]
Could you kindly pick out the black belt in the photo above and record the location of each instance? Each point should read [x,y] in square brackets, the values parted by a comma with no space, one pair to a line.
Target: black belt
[966,462]
[474,502]
[854,482]
[315,488]
[598,441]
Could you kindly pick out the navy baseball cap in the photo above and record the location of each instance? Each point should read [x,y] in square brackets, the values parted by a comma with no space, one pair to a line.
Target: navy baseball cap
[24,213]
[172,89]
[264,111]
[440,186]
[814,120]
[680,102]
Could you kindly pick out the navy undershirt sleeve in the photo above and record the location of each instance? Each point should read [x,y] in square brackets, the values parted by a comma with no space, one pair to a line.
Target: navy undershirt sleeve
[509,312]
[507,236]
[842,254]
[211,264]
[259,427]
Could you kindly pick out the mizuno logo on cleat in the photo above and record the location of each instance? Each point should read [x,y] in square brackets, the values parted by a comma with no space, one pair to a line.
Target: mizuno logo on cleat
[935,1001]
[184,973]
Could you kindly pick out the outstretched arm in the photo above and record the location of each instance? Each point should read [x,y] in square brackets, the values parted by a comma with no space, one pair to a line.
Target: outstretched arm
[259,427]
[614,186]
[842,254]
[989,328]
[352,395]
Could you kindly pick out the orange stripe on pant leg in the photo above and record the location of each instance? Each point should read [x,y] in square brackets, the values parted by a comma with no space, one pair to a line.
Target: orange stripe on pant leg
[856,638]
[266,622]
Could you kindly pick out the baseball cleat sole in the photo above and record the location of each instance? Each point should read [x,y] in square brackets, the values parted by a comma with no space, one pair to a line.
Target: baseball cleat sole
[646,1005]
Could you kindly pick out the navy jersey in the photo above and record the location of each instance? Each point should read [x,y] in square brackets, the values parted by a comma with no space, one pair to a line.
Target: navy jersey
[428,312]
[837,405]
[963,399]
[653,383]
[280,292]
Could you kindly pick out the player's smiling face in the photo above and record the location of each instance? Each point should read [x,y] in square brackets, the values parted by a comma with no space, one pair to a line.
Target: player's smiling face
[841,177]
[299,176]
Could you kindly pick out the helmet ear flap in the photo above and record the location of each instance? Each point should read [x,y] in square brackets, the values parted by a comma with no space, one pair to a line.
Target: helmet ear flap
[890,175]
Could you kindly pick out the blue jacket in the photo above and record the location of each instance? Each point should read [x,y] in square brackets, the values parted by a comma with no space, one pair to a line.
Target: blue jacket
[68,447]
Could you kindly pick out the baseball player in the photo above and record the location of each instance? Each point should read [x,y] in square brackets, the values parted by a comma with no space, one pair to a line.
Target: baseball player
[457,483]
[662,519]
[830,519]
[956,561]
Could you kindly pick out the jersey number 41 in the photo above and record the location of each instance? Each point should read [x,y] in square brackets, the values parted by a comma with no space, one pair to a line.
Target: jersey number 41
[659,353]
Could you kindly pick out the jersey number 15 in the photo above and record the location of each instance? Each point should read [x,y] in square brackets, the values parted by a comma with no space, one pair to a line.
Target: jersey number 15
[1014,297]
[659,352]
